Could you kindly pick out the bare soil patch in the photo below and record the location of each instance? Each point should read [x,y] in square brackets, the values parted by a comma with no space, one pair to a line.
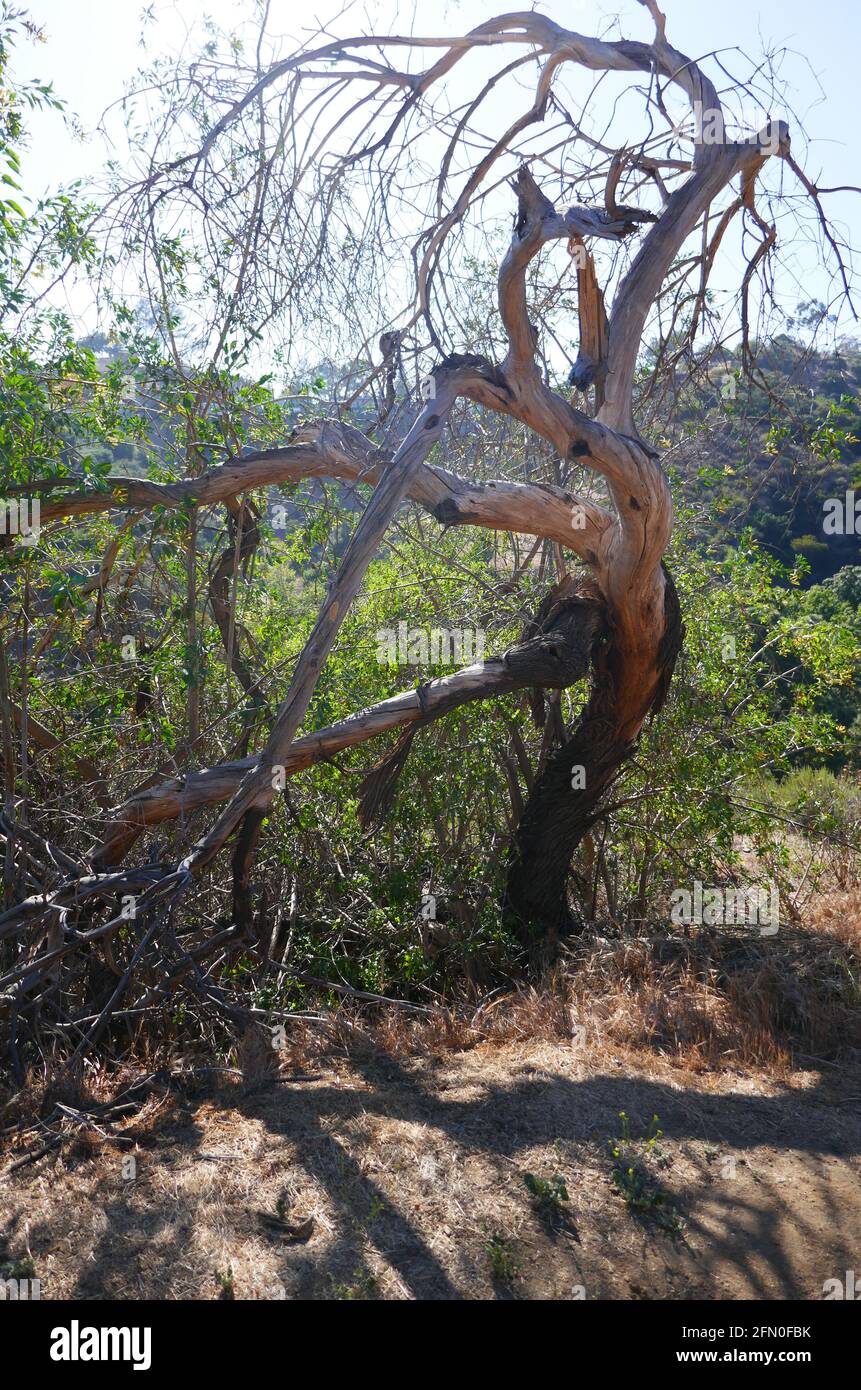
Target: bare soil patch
[378,1176]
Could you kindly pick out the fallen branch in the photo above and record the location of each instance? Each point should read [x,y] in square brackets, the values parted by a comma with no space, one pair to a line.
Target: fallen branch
[555,659]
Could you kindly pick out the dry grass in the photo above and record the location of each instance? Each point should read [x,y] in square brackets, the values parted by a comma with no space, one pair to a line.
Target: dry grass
[838,915]
[715,999]
[705,1000]
[383,1178]
[382,1153]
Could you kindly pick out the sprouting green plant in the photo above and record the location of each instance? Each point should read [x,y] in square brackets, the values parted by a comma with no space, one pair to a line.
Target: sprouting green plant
[547,1193]
[645,1197]
[643,1194]
[503,1258]
[224,1279]
[375,1210]
[364,1286]
[650,1141]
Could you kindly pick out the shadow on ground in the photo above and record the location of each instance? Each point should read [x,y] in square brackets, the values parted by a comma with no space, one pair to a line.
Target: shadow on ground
[397,1174]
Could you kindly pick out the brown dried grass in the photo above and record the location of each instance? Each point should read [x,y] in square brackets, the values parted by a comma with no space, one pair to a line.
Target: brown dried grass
[707,1000]
[703,1002]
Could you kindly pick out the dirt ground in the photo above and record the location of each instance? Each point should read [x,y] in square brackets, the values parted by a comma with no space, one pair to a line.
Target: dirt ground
[373,1177]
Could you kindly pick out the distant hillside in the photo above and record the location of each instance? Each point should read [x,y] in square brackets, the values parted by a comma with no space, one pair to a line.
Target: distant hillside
[767,452]
[762,452]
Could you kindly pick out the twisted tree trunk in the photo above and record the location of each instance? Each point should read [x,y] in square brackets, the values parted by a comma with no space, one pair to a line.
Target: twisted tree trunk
[632,633]
[567,796]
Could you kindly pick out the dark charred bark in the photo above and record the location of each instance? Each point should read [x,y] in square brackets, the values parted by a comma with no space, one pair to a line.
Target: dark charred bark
[560,811]
[554,652]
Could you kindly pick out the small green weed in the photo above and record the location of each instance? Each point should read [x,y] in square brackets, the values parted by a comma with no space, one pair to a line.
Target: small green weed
[363,1287]
[642,1192]
[548,1194]
[503,1259]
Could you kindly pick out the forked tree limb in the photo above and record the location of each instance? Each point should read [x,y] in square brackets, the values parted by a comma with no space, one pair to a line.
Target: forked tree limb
[332,449]
[254,797]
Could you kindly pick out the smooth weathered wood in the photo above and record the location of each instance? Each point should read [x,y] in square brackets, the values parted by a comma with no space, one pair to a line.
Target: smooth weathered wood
[331,449]
[256,793]
[555,659]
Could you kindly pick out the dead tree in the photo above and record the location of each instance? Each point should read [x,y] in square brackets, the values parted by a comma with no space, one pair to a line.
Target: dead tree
[617,624]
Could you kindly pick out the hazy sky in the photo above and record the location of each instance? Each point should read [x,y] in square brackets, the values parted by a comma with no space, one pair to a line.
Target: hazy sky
[93,50]
[94,47]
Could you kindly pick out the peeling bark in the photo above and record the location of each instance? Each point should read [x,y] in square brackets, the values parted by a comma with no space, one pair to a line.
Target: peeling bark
[561,808]
[557,657]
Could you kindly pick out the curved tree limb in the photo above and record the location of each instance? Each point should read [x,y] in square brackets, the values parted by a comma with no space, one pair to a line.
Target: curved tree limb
[556,659]
[331,449]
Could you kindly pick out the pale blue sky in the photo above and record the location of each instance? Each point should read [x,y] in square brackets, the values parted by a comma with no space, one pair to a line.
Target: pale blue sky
[93,50]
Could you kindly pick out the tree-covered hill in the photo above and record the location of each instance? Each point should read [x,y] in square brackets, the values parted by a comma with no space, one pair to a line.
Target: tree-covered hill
[766,449]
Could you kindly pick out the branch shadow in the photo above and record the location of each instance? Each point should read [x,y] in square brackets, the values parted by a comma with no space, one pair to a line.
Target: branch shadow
[735,1231]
